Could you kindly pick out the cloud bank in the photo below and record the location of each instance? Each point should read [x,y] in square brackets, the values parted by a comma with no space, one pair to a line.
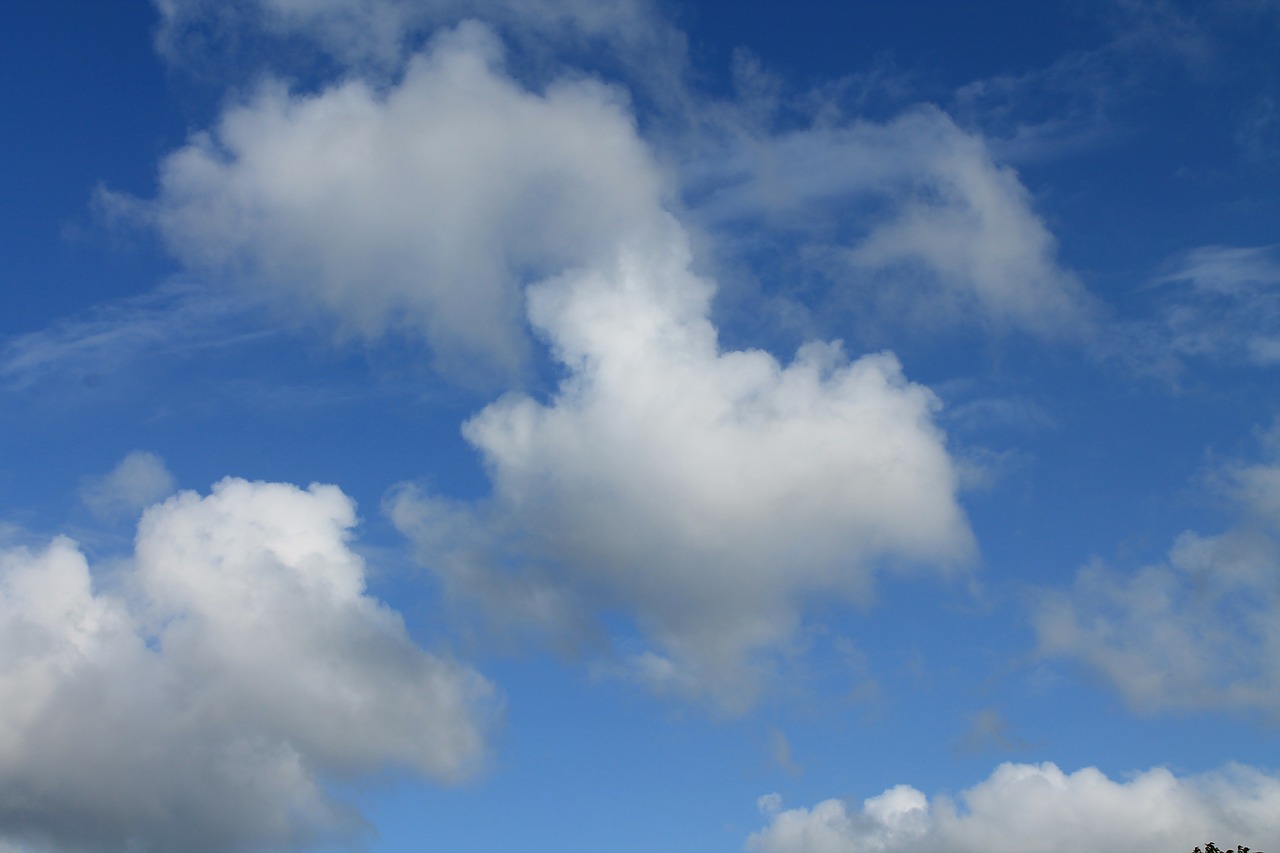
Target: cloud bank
[203,695]
[1036,808]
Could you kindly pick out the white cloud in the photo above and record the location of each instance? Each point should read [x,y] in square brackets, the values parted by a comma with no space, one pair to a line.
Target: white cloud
[140,480]
[201,697]
[928,225]
[1201,630]
[424,207]
[1026,808]
[708,493]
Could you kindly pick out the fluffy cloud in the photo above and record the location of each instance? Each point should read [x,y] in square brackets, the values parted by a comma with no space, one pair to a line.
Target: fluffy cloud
[1026,808]
[706,492]
[1201,630]
[137,482]
[423,207]
[918,217]
[200,697]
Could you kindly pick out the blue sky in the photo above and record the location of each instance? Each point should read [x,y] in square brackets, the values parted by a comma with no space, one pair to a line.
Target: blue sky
[579,426]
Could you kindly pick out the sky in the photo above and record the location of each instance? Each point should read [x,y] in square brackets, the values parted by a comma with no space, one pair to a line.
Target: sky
[567,425]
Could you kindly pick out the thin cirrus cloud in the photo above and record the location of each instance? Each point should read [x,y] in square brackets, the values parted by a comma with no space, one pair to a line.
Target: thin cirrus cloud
[207,694]
[1197,631]
[1222,302]
[1023,807]
[178,318]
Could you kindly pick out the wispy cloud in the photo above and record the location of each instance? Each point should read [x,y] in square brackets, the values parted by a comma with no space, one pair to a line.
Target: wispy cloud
[1223,302]
[173,320]
[1078,100]
[909,220]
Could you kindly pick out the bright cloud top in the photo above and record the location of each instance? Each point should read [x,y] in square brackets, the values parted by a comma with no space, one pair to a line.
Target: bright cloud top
[203,700]
[707,492]
[424,207]
[1029,808]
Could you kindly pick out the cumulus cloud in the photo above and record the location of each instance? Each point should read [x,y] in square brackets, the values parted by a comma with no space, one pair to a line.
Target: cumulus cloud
[1199,630]
[424,207]
[1036,808]
[706,492]
[202,696]
[140,480]
[926,224]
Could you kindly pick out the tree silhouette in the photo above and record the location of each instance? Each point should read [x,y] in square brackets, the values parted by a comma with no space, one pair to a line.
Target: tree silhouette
[1210,847]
